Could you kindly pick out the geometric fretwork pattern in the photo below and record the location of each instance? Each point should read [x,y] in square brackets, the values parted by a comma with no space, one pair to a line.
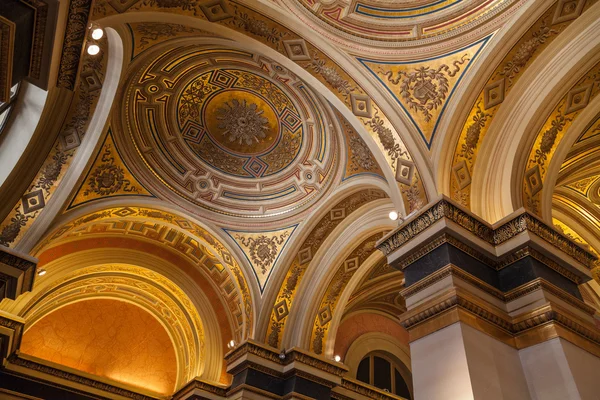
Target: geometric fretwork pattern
[329,302]
[182,236]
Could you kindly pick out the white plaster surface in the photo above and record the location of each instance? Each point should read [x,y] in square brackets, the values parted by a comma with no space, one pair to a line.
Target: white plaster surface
[20,127]
[559,370]
[494,367]
[439,366]
[461,363]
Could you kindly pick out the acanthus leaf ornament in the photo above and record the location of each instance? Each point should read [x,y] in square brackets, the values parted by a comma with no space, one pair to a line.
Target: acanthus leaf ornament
[425,89]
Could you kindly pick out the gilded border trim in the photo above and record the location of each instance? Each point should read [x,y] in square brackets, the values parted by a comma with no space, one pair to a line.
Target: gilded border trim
[15,359]
[494,236]
[75,33]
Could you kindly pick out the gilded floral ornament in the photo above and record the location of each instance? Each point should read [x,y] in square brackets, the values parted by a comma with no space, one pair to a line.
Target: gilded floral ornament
[241,122]
[108,176]
[552,132]
[42,188]
[542,32]
[423,87]
[329,302]
[310,246]
[262,249]
[526,50]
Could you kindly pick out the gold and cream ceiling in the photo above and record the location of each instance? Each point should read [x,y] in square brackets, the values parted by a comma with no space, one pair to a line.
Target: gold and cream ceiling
[260,146]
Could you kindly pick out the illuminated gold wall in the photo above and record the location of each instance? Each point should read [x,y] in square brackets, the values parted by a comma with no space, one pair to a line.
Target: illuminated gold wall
[107,338]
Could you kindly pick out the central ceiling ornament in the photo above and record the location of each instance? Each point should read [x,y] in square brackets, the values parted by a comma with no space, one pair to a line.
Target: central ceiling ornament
[231,132]
[242,122]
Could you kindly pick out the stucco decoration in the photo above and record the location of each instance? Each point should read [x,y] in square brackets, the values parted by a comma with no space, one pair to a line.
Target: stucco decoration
[179,234]
[552,132]
[392,21]
[62,153]
[262,249]
[338,283]
[506,74]
[108,177]
[245,18]
[423,87]
[306,251]
[231,132]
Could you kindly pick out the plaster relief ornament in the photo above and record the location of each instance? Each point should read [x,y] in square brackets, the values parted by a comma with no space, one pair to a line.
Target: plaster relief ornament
[230,134]
[263,249]
[106,179]
[424,88]
[242,122]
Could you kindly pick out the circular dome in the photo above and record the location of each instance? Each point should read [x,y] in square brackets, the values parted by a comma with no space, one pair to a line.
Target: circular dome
[231,132]
[246,127]
[389,21]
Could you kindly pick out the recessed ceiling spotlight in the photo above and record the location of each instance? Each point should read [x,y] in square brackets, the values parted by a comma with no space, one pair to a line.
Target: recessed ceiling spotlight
[97,34]
[93,50]
[231,344]
[393,215]
[337,358]
[41,272]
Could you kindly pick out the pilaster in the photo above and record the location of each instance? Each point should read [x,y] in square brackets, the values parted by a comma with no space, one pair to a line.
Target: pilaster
[483,296]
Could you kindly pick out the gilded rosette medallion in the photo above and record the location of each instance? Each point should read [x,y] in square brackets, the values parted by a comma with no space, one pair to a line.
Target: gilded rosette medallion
[231,132]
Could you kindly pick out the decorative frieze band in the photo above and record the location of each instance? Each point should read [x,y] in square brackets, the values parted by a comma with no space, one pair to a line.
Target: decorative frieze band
[514,327]
[75,32]
[293,355]
[494,236]
[15,359]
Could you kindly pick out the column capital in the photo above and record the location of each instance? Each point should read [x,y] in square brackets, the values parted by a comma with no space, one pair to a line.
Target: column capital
[516,280]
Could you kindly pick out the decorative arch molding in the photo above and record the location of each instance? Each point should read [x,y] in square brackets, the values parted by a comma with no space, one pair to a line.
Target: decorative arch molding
[579,223]
[346,262]
[38,208]
[579,126]
[155,274]
[348,188]
[324,74]
[474,81]
[182,235]
[497,183]
[374,342]
[144,288]
[311,249]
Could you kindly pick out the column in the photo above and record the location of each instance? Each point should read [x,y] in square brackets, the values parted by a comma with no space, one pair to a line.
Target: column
[494,311]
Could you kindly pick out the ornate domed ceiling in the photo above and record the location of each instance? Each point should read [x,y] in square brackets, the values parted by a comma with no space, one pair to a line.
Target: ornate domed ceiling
[405,20]
[228,131]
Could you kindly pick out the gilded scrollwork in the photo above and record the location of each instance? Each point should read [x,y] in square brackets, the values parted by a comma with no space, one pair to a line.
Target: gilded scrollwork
[308,249]
[543,32]
[329,302]
[41,190]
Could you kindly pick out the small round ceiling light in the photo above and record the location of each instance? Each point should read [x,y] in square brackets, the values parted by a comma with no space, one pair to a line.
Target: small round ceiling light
[41,272]
[231,344]
[97,34]
[393,215]
[93,50]
[337,358]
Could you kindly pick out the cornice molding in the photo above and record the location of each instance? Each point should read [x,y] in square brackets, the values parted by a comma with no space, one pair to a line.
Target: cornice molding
[493,235]
[365,390]
[198,384]
[291,356]
[514,294]
[500,324]
[16,359]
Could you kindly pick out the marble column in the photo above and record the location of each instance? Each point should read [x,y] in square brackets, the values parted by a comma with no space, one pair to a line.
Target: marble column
[494,311]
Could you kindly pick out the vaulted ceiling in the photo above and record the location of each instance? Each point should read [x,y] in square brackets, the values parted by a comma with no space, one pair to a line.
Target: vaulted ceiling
[227,167]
